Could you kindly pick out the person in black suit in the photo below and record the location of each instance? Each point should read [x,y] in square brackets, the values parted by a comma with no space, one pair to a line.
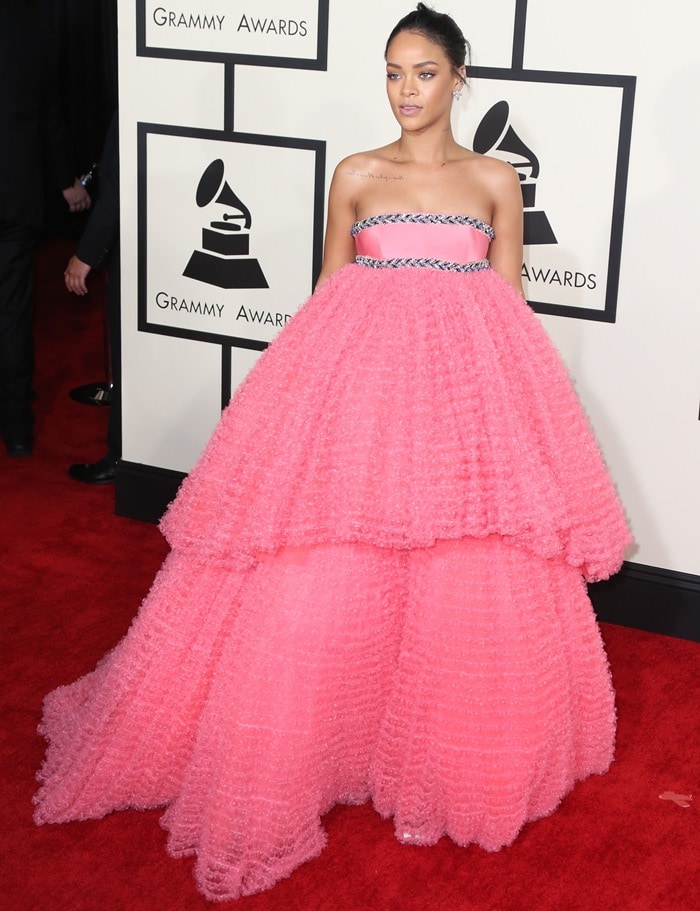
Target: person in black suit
[35,149]
[99,243]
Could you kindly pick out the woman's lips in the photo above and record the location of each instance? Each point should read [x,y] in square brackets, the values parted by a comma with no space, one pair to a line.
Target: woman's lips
[409,109]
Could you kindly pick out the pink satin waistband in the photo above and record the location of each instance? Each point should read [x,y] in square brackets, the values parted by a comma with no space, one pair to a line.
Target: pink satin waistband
[453,243]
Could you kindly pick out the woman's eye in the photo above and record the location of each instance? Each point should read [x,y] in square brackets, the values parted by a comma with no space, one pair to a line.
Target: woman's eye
[427,75]
[392,75]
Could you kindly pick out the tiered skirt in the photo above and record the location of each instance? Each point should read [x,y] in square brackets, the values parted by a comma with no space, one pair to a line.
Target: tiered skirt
[375,592]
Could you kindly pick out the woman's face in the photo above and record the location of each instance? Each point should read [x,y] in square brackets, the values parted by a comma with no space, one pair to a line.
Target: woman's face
[420,81]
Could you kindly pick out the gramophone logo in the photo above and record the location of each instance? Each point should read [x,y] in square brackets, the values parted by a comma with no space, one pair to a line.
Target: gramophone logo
[224,259]
[494,132]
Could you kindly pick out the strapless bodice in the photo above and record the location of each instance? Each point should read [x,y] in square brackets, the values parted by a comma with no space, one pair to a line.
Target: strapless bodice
[455,242]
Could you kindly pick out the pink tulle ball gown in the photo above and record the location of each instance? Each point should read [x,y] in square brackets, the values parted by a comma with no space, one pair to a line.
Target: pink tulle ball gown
[376,585]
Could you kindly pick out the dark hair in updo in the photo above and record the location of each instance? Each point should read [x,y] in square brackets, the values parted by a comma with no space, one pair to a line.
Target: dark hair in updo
[439,28]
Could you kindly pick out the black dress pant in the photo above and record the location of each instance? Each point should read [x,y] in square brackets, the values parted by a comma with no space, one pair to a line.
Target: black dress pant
[17,244]
[114,428]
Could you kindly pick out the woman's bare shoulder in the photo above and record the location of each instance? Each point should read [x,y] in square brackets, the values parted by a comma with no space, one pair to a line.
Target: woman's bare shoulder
[495,172]
[363,164]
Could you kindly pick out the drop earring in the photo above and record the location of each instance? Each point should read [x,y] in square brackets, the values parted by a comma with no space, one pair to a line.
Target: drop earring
[457,94]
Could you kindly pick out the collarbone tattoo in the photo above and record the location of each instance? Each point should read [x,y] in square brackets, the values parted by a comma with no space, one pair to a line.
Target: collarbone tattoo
[371,175]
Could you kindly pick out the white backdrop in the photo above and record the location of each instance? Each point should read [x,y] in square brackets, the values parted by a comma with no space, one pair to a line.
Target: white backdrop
[638,376]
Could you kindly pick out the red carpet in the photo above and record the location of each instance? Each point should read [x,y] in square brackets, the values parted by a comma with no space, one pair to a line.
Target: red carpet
[73,576]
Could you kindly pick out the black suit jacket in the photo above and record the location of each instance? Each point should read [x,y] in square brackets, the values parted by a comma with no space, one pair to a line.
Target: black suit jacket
[34,141]
[101,232]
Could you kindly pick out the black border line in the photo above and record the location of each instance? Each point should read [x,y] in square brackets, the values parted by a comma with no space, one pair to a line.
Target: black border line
[627,84]
[317,146]
[611,80]
[624,148]
[229,95]
[519,26]
[319,62]
[226,351]
[229,98]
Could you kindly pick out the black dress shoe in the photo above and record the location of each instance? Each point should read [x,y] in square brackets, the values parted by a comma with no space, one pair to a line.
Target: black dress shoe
[102,472]
[92,394]
[19,444]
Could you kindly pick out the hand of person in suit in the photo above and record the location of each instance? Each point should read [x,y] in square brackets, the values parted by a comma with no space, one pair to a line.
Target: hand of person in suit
[77,197]
[75,274]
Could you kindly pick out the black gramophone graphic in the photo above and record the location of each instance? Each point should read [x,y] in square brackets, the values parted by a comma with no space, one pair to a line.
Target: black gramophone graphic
[224,259]
[494,133]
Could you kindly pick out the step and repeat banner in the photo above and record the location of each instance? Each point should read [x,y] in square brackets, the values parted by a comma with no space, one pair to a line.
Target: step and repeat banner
[233,115]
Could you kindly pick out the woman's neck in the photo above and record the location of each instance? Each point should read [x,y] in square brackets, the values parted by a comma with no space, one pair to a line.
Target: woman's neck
[434,148]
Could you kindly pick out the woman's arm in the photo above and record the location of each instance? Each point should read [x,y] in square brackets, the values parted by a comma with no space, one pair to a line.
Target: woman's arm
[339,247]
[506,250]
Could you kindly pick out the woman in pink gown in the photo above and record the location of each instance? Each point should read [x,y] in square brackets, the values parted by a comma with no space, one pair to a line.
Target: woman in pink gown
[376,585]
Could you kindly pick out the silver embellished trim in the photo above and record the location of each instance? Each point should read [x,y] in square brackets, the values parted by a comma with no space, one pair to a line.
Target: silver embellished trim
[422,263]
[420,218]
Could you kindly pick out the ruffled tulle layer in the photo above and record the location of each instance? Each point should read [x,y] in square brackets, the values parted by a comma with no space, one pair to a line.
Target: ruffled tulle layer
[398,408]
[375,593]
[461,687]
